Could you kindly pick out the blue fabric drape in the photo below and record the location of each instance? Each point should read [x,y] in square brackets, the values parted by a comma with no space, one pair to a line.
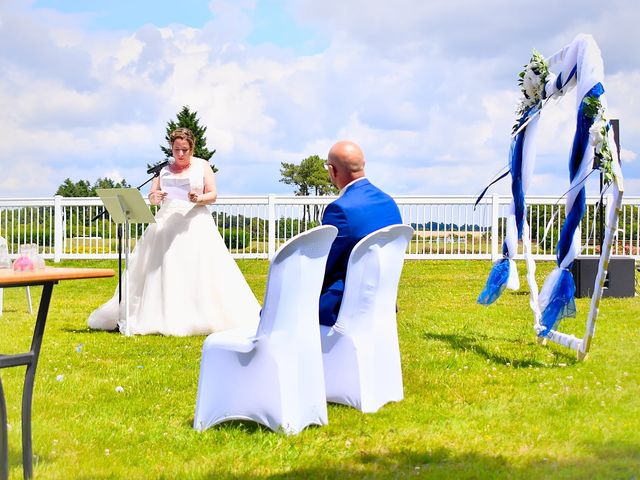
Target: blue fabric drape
[560,84]
[496,282]
[516,180]
[580,145]
[561,302]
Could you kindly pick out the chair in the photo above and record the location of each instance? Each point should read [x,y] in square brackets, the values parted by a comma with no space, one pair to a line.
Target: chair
[360,353]
[273,376]
[29,304]
[4,257]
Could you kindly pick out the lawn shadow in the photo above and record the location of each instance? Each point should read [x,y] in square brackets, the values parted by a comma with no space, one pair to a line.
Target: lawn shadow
[245,426]
[444,463]
[468,343]
[88,331]
[15,461]
[13,309]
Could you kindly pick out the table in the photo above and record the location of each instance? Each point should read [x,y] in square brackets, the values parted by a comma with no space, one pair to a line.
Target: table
[46,277]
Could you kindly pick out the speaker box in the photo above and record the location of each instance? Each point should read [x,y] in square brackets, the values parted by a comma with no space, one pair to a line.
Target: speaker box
[619,282]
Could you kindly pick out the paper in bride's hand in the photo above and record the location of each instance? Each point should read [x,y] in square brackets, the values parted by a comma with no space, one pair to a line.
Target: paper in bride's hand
[176,188]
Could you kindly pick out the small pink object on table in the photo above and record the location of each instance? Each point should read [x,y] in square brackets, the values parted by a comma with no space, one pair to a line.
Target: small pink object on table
[23,263]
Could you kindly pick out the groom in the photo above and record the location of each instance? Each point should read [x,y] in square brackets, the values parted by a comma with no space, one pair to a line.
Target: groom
[361,209]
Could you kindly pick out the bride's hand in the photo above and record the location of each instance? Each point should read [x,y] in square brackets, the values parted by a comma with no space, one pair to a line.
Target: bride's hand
[193,196]
[156,197]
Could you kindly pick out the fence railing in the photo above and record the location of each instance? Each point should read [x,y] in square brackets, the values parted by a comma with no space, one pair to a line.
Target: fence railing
[447,227]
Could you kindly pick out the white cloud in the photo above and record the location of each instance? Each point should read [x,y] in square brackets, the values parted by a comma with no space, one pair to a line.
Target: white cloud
[427,88]
[627,156]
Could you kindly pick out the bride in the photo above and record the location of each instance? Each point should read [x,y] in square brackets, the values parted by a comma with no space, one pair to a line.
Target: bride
[182,279]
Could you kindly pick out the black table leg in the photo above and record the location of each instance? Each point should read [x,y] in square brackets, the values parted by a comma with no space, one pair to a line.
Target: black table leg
[30,376]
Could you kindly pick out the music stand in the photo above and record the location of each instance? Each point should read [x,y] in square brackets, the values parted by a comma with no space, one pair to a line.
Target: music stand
[125,205]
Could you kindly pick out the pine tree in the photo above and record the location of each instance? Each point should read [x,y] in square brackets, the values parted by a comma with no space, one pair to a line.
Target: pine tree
[188,119]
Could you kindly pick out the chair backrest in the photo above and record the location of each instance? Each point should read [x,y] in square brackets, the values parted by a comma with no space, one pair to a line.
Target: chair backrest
[373,274]
[294,281]
[5,261]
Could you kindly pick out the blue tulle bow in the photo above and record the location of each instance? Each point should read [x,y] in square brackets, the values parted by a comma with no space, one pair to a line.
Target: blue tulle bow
[561,303]
[496,282]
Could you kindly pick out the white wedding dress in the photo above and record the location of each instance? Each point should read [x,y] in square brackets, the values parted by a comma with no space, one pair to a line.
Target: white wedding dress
[182,279]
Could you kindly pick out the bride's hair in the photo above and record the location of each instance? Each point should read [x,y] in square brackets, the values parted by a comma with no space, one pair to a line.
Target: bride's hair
[183,134]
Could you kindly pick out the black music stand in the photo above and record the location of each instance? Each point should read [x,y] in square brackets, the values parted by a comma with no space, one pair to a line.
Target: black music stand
[125,205]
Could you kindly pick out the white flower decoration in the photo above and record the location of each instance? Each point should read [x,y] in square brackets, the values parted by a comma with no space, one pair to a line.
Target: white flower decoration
[532,85]
[596,134]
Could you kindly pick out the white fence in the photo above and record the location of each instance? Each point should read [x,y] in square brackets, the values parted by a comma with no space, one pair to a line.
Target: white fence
[447,227]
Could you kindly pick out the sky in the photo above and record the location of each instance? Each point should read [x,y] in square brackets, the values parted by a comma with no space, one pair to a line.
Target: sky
[428,89]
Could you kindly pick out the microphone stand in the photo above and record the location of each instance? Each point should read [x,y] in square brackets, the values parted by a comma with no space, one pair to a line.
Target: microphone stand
[119,235]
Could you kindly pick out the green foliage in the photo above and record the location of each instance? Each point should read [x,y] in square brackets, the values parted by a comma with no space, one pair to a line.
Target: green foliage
[235,238]
[603,156]
[309,177]
[27,235]
[254,225]
[591,106]
[82,188]
[290,227]
[188,119]
[483,400]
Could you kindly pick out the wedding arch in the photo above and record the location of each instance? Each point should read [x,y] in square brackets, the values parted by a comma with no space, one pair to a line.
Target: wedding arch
[578,65]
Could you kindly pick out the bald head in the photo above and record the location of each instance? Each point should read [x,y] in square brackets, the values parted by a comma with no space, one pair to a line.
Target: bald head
[346,162]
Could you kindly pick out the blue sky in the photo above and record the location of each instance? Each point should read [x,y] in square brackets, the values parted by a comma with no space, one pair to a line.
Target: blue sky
[271,21]
[131,15]
[428,89]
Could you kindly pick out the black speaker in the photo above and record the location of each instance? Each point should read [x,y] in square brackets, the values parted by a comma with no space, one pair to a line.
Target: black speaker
[619,282]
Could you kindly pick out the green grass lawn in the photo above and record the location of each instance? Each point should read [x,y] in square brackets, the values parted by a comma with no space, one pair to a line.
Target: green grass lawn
[482,398]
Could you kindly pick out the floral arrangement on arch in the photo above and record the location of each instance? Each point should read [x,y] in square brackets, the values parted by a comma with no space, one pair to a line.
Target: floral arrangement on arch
[532,81]
[598,137]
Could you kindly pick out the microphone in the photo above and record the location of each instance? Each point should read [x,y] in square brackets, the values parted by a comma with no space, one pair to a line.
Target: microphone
[156,168]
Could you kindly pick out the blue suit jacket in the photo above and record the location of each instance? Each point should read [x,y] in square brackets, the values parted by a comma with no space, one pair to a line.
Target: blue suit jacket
[363,208]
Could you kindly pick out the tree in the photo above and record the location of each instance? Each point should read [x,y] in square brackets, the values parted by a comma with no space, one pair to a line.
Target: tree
[82,188]
[308,177]
[108,183]
[188,119]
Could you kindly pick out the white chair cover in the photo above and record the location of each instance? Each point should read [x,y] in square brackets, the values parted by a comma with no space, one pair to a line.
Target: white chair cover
[29,304]
[360,352]
[273,376]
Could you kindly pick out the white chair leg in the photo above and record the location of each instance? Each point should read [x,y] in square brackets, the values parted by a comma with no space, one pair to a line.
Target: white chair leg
[29,304]
[29,301]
